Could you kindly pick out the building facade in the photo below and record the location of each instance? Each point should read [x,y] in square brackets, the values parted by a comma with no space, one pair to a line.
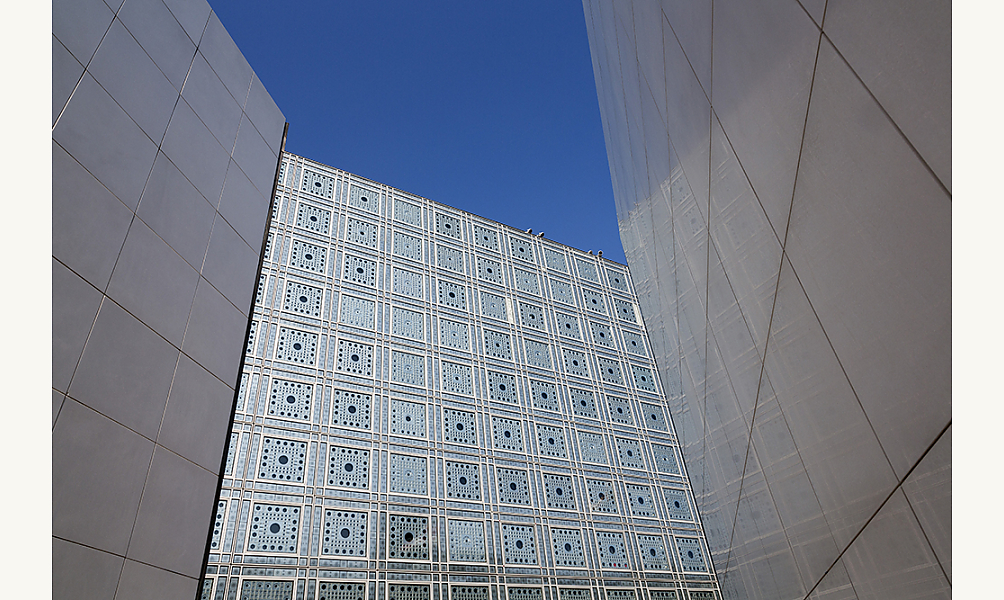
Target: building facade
[434,405]
[164,151]
[783,179]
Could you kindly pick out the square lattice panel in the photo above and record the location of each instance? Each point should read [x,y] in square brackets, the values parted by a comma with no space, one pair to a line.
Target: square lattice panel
[629,453]
[351,409]
[544,394]
[655,418]
[575,362]
[365,199]
[449,258]
[558,491]
[454,335]
[513,487]
[592,448]
[302,299]
[359,270]
[566,548]
[407,283]
[593,301]
[407,418]
[490,270]
[634,343]
[317,184]
[463,481]
[407,368]
[538,354]
[519,545]
[449,226]
[574,594]
[409,474]
[501,387]
[555,259]
[493,306]
[361,232]
[601,496]
[611,550]
[602,335]
[498,344]
[452,295]
[458,427]
[677,504]
[407,537]
[282,460]
[653,552]
[349,467]
[583,402]
[691,554]
[329,590]
[620,410]
[526,281]
[354,358]
[587,270]
[274,528]
[344,533]
[357,311]
[625,311]
[617,279]
[309,257]
[290,399]
[456,379]
[295,346]
[561,291]
[521,249]
[407,246]
[610,370]
[507,434]
[551,441]
[468,592]
[665,459]
[641,500]
[315,219]
[467,541]
[519,593]
[568,326]
[406,212]
[265,590]
[643,379]
[405,591]
[486,238]
[407,323]
[532,316]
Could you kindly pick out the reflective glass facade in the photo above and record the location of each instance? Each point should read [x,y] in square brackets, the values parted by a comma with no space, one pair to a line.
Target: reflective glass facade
[434,405]
[782,172]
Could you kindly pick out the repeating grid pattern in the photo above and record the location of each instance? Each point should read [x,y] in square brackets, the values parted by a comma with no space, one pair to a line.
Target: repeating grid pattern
[426,409]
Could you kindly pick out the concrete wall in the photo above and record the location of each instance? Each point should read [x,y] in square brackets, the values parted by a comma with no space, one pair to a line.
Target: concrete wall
[783,179]
[164,150]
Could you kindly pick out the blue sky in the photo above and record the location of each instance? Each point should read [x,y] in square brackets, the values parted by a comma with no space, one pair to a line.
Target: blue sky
[486,106]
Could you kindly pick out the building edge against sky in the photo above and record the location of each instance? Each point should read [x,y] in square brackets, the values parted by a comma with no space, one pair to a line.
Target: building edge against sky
[164,152]
[790,241]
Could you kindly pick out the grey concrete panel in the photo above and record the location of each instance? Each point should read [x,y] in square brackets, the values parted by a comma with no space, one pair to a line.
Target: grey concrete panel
[743,237]
[209,98]
[125,371]
[871,241]
[691,22]
[143,582]
[195,421]
[763,60]
[66,72]
[843,459]
[135,82]
[903,53]
[255,157]
[160,34]
[226,59]
[175,514]
[177,212]
[266,116]
[649,38]
[231,265]
[82,572]
[892,559]
[89,224]
[74,305]
[243,206]
[79,25]
[215,332]
[107,142]
[929,491]
[192,14]
[196,152]
[98,470]
[57,404]
[115,5]
[154,283]
[815,8]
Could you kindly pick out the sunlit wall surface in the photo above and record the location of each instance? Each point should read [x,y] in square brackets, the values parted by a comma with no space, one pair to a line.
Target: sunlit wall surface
[782,172]
[435,406]
[164,151]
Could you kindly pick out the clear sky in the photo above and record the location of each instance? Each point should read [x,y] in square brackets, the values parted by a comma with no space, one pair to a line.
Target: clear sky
[486,106]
